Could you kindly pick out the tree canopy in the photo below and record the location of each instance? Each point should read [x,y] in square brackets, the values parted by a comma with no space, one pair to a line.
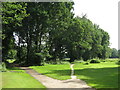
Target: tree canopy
[38,32]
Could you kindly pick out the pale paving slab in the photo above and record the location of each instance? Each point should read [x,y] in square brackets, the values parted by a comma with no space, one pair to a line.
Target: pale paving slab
[54,83]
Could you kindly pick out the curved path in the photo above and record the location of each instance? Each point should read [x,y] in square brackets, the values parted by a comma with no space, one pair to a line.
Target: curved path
[54,83]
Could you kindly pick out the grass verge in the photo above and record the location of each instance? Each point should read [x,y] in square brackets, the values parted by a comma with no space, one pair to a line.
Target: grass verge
[17,78]
[61,72]
[100,75]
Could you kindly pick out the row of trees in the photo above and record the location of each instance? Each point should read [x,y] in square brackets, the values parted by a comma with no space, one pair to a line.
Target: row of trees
[38,32]
[115,53]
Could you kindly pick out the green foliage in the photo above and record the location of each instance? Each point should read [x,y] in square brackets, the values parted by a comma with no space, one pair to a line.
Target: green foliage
[12,15]
[66,59]
[103,60]
[114,53]
[94,61]
[11,60]
[12,54]
[3,67]
[49,32]
[86,63]
[119,53]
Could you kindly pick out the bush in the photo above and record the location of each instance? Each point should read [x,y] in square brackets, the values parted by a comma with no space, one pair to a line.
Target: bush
[12,54]
[103,60]
[94,61]
[86,63]
[81,61]
[3,67]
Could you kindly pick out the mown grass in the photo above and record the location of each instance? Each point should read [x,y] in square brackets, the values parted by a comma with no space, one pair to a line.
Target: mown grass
[61,72]
[102,75]
[17,78]
[98,75]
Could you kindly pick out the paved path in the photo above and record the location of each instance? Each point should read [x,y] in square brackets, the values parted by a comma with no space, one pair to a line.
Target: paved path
[54,83]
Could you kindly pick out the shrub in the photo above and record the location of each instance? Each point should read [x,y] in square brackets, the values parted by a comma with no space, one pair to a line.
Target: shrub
[3,67]
[81,61]
[94,61]
[12,54]
[103,60]
[118,62]
[86,63]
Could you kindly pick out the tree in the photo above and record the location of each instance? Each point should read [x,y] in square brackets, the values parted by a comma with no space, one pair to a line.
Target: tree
[49,32]
[114,53]
[42,29]
[12,16]
[119,53]
[60,16]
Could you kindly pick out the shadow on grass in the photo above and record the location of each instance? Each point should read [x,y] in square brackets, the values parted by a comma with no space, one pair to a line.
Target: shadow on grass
[100,77]
[13,68]
[97,77]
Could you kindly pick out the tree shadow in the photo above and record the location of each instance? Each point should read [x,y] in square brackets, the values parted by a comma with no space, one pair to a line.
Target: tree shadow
[13,68]
[99,77]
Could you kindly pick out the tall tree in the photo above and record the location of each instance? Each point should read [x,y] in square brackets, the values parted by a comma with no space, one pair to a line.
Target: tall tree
[49,32]
[12,16]
[61,18]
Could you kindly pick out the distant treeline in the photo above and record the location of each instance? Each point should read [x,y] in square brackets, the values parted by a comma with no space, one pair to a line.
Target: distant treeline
[115,53]
[38,32]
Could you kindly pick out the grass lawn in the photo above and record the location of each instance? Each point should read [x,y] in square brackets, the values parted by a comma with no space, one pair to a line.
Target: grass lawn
[101,75]
[61,72]
[19,79]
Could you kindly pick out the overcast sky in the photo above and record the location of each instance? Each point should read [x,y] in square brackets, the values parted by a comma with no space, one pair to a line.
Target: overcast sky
[103,13]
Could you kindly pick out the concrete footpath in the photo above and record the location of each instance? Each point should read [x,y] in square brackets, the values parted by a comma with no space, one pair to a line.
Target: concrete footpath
[54,83]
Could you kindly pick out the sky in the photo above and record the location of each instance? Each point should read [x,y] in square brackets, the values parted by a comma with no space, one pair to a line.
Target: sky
[103,13]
